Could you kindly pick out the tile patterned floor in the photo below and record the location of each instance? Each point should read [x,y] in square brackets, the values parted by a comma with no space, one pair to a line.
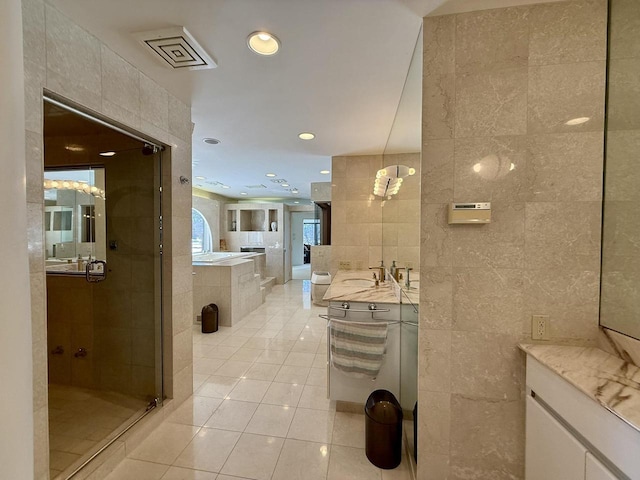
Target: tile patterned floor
[259,409]
[80,418]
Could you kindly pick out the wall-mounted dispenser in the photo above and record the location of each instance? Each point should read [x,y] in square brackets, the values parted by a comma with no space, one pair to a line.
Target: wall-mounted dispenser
[466,213]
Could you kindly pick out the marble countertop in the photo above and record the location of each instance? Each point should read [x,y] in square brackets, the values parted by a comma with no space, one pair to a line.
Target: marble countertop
[609,380]
[359,286]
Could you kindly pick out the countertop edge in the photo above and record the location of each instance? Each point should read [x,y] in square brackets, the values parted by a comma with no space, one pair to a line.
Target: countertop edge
[596,368]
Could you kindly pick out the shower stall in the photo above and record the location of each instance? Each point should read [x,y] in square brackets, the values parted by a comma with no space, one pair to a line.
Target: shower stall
[103,243]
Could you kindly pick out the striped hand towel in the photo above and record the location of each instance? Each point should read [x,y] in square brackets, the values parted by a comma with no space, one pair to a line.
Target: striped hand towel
[358,348]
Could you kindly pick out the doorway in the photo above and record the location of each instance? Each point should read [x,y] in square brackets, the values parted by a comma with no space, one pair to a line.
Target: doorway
[305,232]
[102,223]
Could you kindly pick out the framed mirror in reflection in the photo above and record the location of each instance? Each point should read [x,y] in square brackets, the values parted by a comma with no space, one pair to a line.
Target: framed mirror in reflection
[75,220]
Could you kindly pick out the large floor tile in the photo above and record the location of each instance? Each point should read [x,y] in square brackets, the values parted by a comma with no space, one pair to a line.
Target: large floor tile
[246,355]
[221,351]
[165,443]
[346,463]
[179,473]
[249,390]
[271,420]
[137,470]
[208,450]
[283,394]
[254,456]
[300,359]
[196,410]
[348,430]
[217,386]
[207,366]
[312,425]
[273,356]
[315,398]
[292,374]
[317,377]
[300,460]
[233,368]
[262,371]
[232,415]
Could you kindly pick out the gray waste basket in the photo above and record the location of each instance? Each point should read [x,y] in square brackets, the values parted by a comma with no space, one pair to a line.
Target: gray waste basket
[383,429]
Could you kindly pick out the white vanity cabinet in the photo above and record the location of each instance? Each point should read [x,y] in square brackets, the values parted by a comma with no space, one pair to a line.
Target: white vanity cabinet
[595,470]
[569,436]
[551,451]
[347,388]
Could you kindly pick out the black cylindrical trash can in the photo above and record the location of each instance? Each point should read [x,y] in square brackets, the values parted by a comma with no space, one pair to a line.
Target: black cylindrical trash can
[210,318]
[383,429]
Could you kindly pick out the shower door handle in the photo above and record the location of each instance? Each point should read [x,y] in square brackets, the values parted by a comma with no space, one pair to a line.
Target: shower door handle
[91,276]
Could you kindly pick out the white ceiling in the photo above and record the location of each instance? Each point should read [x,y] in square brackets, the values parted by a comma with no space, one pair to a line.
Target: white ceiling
[339,74]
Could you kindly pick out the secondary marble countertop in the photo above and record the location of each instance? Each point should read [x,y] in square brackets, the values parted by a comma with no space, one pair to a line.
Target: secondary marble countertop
[609,380]
[359,286]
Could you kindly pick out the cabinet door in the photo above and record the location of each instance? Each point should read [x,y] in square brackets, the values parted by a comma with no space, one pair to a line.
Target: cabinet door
[551,452]
[597,471]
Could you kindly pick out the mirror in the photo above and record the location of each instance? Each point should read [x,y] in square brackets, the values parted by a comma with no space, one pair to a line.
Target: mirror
[75,220]
[620,282]
[399,183]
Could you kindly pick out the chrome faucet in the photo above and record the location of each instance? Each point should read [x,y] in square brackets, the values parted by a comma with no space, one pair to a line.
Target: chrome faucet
[407,280]
[380,270]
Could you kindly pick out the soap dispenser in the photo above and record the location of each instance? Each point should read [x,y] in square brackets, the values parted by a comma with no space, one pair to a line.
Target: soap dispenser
[393,270]
[80,263]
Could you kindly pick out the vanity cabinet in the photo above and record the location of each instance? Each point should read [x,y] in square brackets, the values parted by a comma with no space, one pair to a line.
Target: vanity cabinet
[595,470]
[570,436]
[552,452]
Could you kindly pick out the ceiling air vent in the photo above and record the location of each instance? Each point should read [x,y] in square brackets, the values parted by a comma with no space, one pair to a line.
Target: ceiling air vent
[176,48]
[255,186]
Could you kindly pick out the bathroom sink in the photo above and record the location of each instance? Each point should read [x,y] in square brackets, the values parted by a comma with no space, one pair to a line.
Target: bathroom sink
[357,282]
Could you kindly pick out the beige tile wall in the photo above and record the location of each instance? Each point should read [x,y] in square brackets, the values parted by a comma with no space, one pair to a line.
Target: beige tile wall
[498,88]
[356,215]
[366,229]
[63,58]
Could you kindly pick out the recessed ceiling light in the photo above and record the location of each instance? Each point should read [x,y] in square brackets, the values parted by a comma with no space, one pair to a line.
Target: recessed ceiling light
[211,141]
[578,121]
[226,186]
[325,172]
[284,184]
[244,193]
[271,175]
[107,154]
[296,201]
[295,191]
[263,43]
[201,178]
[306,136]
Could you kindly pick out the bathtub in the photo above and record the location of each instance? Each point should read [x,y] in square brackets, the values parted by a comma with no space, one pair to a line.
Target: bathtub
[216,257]
[231,280]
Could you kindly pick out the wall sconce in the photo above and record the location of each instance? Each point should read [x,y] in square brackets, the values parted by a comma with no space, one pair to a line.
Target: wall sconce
[389,179]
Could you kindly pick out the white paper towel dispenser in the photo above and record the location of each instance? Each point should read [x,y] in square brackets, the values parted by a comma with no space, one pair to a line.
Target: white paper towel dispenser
[469,213]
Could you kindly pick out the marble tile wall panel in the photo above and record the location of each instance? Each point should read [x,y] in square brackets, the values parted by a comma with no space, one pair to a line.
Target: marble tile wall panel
[625,22]
[517,79]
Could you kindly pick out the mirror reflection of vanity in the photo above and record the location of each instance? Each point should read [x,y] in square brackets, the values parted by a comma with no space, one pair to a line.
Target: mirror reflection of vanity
[620,283]
[75,218]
